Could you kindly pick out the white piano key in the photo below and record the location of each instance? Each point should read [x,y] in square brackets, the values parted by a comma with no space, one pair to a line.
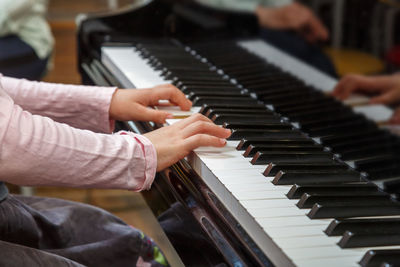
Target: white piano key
[232,164]
[268,223]
[377,113]
[276,212]
[263,203]
[292,231]
[243,195]
[255,172]
[356,100]
[130,68]
[259,186]
[329,262]
[308,241]
[239,180]
[322,252]
[175,111]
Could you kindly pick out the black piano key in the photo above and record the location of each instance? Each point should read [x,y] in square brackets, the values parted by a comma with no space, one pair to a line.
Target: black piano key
[392,186]
[356,240]
[325,212]
[348,137]
[318,122]
[307,201]
[364,226]
[206,107]
[181,84]
[306,105]
[316,114]
[362,143]
[211,77]
[326,122]
[246,142]
[210,88]
[295,102]
[242,133]
[359,189]
[206,90]
[290,157]
[244,76]
[278,91]
[258,85]
[264,83]
[225,111]
[359,154]
[336,129]
[273,168]
[373,163]
[252,150]
[255,117]
[187,73]
[193,95]
[314,177]
[373,160]
[198,101]
[260,125]
[384,173]
[281,98]
[235,118]
[375,258]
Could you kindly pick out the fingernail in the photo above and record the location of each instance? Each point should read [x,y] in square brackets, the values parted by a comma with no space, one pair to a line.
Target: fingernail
[222,141]
[170,116]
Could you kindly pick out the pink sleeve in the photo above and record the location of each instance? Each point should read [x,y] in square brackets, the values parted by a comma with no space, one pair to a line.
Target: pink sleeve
[84,107]
[35,150]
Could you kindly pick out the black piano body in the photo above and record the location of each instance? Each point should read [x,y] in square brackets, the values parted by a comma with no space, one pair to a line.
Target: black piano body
[180,192]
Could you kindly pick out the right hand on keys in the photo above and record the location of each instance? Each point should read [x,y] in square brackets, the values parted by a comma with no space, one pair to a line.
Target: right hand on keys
[385,87]
[176,141]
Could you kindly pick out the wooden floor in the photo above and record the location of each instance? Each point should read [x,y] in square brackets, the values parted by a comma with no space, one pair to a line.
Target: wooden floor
[127,205]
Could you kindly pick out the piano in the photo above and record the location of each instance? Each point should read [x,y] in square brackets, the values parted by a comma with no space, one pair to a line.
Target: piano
[304,180]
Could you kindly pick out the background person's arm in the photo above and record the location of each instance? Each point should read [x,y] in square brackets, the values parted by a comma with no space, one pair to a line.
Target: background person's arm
[11,12]
[248,6]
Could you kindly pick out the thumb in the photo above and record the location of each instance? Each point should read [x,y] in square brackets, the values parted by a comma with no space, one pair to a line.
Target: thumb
[149,114]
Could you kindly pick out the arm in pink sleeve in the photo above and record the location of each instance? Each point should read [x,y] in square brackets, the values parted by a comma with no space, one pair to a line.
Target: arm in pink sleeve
[84,107]
[35,150]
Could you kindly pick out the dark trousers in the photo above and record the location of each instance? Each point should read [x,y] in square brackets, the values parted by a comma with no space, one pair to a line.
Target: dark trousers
[38,231]
[19,60]
[296,46]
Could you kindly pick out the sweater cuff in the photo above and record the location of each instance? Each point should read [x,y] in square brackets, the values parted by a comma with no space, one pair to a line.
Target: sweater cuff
[149,157]
[105,95]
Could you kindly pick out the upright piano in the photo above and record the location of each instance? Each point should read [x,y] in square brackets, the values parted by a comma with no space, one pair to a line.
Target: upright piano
[304,180]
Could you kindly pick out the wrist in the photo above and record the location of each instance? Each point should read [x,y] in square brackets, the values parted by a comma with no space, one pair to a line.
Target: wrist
[113,105]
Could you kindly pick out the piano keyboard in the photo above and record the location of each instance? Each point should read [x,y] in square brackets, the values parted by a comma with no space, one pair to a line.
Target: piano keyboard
[286,173]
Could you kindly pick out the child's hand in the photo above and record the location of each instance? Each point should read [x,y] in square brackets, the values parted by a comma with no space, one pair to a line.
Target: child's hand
[176,141]
[130,104]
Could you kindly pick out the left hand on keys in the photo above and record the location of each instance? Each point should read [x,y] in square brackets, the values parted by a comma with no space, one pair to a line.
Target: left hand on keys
[127,104]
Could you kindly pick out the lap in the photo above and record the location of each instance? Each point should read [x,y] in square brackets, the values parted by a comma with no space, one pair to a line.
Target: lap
[75,231]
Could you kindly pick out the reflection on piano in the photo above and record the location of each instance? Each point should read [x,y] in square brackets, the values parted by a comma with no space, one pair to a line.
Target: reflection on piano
[304,179]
